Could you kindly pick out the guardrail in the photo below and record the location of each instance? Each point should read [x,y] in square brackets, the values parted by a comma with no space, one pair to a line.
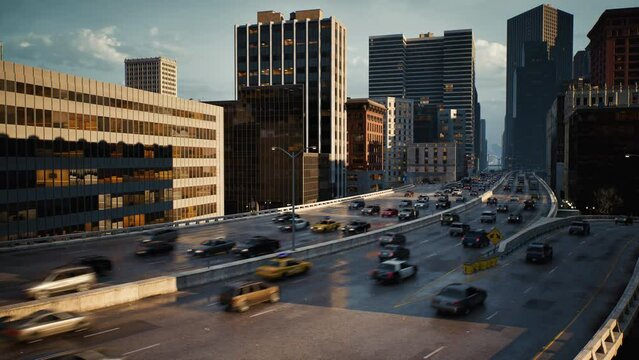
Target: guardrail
[553,199]
[21,244]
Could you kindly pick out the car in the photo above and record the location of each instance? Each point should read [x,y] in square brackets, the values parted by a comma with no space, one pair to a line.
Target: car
[422,204]
[438,193]
[391,238]
[448,191]
[393,252]
[282,267]
[405,203]
[458,229]
[448,218]
[408,214]
[529,205]
[423,197]
[458,298]
[390,212]
[257,245]
[101,265]
[538,252]
[488,217]
[579,228]
[514,199]
[475,238]
[474,193]
[623,220]
[153,247]
[503,208]
[242,295]
[212,247]
[168,235]
[300,224]
[460,199]
[442,204]
[371,210]
[284,217]
[325,226]
[514,218]
[409,193]
[356,227]
[79,278]
[393,271]
[491,201]
[44,323]
[356,205]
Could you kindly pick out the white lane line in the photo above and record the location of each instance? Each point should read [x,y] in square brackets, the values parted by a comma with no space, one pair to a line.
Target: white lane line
[582,242]
[424,242]
[35,341]
[434,352]
[527,290]
[156,262]
[431,255]
[212,304]
[140,349]
[263,312]
[492,316]
[101,332]
[458,244]
[553,270]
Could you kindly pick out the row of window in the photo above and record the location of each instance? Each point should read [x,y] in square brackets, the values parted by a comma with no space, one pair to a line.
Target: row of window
[55,93]
[19,115]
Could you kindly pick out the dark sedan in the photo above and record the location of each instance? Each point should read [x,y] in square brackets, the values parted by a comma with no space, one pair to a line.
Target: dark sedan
[514,219]
[458,299]
[212,247]
[623,220]
[284,217]
[258,245]
[393,252]
[101,265]
[475,238]
[356,227]
[153,248]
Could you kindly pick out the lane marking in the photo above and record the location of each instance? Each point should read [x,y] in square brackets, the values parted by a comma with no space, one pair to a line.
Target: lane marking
[424,242]
[458,244]
[140,349]
[156,262]
[35,341]
[101,332]
[582,242]
[492,316]
[527,290]
[553,270]
[211,304]
[431,255]
[570,253]
[434,352]
[263,312]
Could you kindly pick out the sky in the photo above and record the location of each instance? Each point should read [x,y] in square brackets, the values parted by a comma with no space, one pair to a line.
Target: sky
[92,38]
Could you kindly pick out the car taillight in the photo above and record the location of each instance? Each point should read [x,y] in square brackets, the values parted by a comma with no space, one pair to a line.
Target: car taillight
[390,275]
[476,239]
[12,332]
[391,254]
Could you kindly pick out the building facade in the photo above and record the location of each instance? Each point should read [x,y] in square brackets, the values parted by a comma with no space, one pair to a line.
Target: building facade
[82,155]
[555,145]
[435,162]
[483,150]
[307,49]
[398,132]
[425,122]
[256,177]
[438,70]
[581,65]
[614,48]
[365,161]
[546,24]
[158,75]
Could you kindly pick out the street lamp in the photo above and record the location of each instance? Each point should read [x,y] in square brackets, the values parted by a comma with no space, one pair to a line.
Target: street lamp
[293,155]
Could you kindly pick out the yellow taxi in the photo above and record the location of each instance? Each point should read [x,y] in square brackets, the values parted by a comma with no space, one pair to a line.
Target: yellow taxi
[326,226]
[282,267]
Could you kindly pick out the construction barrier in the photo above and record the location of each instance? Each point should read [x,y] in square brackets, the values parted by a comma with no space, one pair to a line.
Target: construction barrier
[480,264]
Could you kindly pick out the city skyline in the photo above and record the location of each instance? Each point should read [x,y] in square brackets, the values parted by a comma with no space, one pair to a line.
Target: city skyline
[71,37]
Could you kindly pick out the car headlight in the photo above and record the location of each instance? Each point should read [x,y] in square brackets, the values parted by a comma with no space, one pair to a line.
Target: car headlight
[199,251]
[245,250]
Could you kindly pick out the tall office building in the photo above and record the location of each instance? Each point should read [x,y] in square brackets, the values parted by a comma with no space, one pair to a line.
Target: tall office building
[307,49]
[438,70]
[158,75]
[543,23]
[614,48]
[398,133]
[581,65]
[78,155]
[483,149]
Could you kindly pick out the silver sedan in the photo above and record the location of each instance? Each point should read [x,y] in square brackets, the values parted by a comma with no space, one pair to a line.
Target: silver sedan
[44,323]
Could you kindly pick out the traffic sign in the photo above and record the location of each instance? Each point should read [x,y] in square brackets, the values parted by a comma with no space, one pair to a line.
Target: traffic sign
[495,236]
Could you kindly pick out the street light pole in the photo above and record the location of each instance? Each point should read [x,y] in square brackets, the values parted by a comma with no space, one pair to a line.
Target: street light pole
[293,155]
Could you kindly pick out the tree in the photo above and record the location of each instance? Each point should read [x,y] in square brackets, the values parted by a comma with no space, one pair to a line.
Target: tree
[607,201]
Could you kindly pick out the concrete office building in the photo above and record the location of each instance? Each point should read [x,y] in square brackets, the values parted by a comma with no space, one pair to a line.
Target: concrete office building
[82,155]
[614,48]
[483,149]
[307,49]
[158,75]
[425,122]
[365,169]
[581,65]
[451,125]
[438,70]
[435,162]
[543,23]
[398,132]
[255,176]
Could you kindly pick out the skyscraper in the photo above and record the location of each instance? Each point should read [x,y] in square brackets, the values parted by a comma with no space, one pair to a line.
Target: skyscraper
[438,70]
[157,75]
[581,65]
[307,49]
[546,24]
[398,132]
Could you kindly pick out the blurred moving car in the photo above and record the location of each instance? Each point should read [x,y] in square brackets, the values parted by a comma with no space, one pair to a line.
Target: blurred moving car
[408,214]
[409,193]
[514,218]
[538,252]
[529,205]
[371,210]
[101,265]
[488,217]
[168,235]
[284,217]
[492,201]
[79,278]
[44,323]
[458,229]
[212,247]
[406,203]
[460,199]
[257,245]
[448,218]
[392,238]
[474,193]
[300,224]
[393,271]
[502,208]
[393,252]
[356,227]
[579,228]
[390,212]
[325,226]
[422,204]
[514,199]
[475,238]
[458,298]
[241,296]
[624,220]
[282,267]
[442,203]
[153,247]
[423,197]
[356,204]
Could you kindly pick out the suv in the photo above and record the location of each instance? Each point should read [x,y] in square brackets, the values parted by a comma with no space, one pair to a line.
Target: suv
[514,218]
[408,214]
[406,203]
[538,252]
[393,252]
[492,201]
[448,218]
[392,239]
[503,208]
[488,217]
[168,235]
[529,205]
[240,296]
[356,204]
[579,228]
[258,245]
[79,278]
[475,238]
[371,210]
[458,229]
[442,203]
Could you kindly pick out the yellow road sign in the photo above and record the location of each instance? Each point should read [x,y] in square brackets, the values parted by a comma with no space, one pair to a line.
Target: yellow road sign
[495,236]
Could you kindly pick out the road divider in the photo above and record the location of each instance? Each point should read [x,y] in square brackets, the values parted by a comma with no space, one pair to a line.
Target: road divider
[481,263]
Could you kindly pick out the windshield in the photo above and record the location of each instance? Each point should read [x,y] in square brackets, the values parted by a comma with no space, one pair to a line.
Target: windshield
[386,268]
[452,293]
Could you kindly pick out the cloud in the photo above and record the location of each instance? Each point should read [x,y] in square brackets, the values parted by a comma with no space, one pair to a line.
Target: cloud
[166,47]
[100,44]
[154,31]
[490,57]
[358,60]
[25,44]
